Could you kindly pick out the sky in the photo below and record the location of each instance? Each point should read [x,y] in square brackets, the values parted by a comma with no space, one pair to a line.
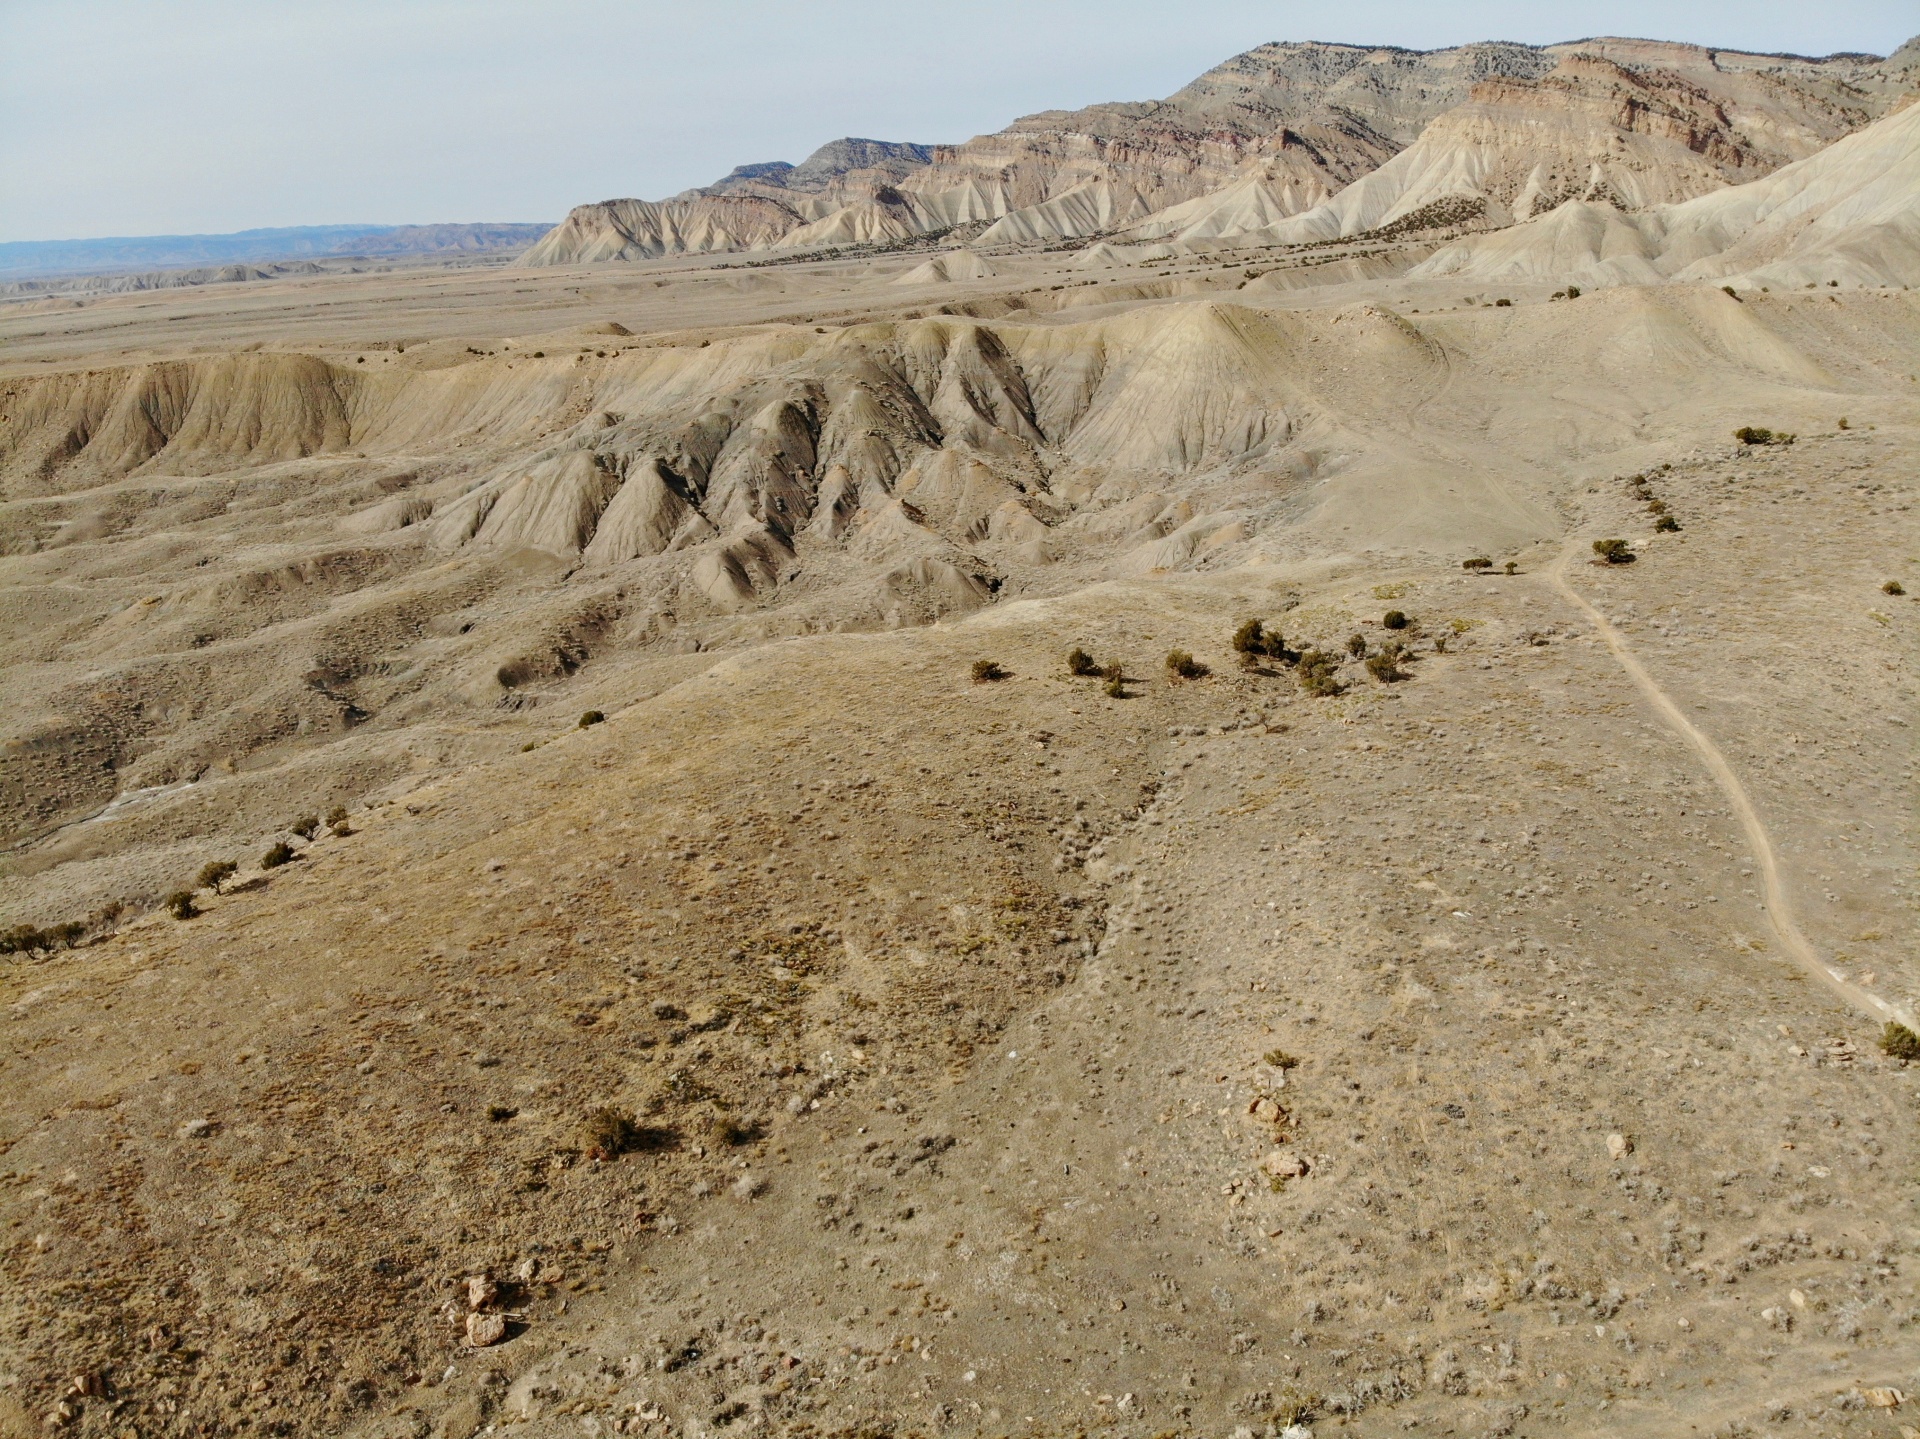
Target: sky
[142,117]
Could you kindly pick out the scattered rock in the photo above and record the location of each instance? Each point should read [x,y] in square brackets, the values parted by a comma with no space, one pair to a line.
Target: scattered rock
[1885,1398]
[1283,1165]
[485,1330]
[196,1129]
[482,1292]
[1618,1146]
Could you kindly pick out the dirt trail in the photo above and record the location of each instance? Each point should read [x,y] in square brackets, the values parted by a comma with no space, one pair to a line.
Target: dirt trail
[1778,906]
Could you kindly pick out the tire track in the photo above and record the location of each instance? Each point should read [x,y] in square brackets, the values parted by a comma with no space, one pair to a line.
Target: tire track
[1777,904]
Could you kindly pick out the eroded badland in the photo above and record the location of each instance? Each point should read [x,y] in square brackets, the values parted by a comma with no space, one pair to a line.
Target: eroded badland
[830,1043]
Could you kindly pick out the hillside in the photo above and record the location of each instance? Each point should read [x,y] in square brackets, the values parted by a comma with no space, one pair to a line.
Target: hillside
[1849,214]
[1286,130]
[1191,836]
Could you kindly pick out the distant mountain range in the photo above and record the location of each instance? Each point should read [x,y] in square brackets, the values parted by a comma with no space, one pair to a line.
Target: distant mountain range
[1293,143]
[20,259]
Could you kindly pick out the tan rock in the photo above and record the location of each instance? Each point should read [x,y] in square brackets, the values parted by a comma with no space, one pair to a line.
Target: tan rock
[485,1330]
[1618,1146]
[1283,1165]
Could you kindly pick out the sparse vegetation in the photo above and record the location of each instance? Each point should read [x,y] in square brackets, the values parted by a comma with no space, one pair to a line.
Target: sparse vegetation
[1319,673]
[1666,525]
[1899,1042]
[1757,435]
[30,939]
[1116,677]
[1385,666]
[730,1131]
[1478,562]
[281,853]
[1082,664]
[1440,644]
[180,904]
[1183,666]
[1502,304]
[1279,1059]
[213,875]
[1729,290]
[1893,587]
[1394,620]
[986,672]
[608,1132]
[337,820]
[591,718]
[1254,642]
[1357,646]
[306,826]
[1573,292]
[1513,567]
[1615,552]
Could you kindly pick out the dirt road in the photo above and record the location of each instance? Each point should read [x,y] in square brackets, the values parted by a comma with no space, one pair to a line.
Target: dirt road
[1778,906]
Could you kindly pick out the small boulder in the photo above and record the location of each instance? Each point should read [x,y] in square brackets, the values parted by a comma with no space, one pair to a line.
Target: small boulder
[1283,1165]
[485,1330]
[482,1292]
[1618,1146]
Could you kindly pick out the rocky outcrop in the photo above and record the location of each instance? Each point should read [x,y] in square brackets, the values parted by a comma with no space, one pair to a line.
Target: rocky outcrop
[1590,130]
[1286,131]
[1849,214]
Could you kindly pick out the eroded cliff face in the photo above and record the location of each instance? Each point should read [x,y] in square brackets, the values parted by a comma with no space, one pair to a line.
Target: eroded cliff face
[1280,131]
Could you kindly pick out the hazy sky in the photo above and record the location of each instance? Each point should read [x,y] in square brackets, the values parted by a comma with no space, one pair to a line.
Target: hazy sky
[134,117]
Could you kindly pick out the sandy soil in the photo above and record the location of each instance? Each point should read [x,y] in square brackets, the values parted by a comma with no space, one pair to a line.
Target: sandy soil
[1441,1056]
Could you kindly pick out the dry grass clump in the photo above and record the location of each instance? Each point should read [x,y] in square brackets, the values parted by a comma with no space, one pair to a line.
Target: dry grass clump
[1759,435]
[1478,562]
[1319,674]
[1183,666]
[1614,552]
[1893,587]
[1115,676]
[731,1131]
[180,904]
[987,671]
[607,1132]
[591,718]
[1081,664]
[1395,620]
[281,853]
[1385,666]
[1899,1042]
[1254,642]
